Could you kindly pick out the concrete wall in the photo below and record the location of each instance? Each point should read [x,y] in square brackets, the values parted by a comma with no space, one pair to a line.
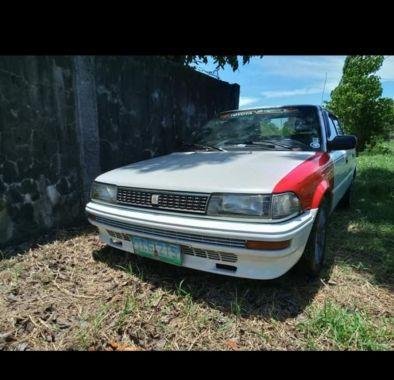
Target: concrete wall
[63,120]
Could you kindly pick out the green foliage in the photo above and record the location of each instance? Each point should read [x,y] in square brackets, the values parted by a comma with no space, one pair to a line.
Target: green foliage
[268,128]
[358,101]
[379,146]
[220,60]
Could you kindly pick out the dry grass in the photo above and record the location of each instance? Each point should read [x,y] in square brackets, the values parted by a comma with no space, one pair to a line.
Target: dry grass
[73,293]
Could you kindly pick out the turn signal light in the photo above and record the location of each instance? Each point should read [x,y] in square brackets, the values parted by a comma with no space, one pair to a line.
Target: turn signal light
[268,245]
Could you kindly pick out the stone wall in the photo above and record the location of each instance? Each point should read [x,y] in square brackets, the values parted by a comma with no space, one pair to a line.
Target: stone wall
[39,167]
[147,106]
[63,120]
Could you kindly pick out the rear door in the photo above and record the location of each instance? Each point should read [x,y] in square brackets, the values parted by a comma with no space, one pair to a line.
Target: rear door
[339,159]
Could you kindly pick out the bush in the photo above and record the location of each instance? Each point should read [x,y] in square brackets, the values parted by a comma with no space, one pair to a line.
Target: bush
[379,146]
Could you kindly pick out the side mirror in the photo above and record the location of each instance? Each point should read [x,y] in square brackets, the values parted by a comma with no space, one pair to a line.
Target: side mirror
[342,143]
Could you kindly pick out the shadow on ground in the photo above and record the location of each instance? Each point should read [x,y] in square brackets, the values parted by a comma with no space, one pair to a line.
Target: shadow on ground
[278,299]
[363,236]
[60,235]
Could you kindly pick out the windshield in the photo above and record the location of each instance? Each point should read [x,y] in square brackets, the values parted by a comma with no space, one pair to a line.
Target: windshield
[288,128]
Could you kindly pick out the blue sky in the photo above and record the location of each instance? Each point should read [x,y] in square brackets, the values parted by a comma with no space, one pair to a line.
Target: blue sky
[278,80]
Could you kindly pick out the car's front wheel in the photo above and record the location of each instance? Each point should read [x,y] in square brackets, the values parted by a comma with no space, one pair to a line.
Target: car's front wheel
[313,258]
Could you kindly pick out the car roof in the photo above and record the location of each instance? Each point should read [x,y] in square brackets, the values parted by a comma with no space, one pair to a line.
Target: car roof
[278,107]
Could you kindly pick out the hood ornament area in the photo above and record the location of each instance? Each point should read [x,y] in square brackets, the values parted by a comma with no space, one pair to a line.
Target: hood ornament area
[154,199]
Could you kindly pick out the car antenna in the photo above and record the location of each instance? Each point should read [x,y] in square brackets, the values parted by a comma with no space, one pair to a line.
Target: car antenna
[324,87]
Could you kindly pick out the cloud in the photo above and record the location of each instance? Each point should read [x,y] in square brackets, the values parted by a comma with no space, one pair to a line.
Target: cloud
[386,72]
[304,67]
[269,105]
[245,101]
[294,79]
[289,93]
[315,88]
[261,105]
[314,69]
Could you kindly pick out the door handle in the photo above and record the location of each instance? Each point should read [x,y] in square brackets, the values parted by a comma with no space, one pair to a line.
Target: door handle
[347,160]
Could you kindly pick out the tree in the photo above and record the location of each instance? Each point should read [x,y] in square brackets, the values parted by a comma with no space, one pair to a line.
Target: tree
[358,102]
[219,60]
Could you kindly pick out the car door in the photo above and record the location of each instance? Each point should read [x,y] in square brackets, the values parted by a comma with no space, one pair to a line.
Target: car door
[350,155]
[339,159]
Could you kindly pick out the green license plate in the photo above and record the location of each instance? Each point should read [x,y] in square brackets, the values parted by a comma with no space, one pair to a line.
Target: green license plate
[169,253]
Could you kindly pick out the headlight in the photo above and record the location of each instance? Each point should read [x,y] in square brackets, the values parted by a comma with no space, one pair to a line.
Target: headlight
[276,206]
[103,192]
[285,205]
[240,205]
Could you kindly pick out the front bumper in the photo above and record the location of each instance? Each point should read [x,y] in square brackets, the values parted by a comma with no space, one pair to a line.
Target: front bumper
[212,240]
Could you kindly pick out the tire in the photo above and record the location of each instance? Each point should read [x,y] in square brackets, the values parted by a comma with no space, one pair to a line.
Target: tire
[312,260]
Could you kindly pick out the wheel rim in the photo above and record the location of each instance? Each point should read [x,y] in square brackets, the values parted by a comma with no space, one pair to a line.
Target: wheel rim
[320,239]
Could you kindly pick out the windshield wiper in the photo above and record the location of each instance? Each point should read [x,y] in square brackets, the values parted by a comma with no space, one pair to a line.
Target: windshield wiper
[269,142]
[243,144]
[296,142]
[204,147]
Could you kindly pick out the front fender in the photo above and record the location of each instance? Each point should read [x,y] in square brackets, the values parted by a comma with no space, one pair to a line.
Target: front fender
[322,189]
[310,180]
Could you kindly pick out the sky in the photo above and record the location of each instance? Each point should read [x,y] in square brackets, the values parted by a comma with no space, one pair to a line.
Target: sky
[283,80]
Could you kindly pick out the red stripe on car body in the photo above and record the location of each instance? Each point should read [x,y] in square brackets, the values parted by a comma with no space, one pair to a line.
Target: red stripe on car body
[309,180]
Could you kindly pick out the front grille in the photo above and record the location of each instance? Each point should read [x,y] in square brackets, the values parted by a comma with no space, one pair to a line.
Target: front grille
[119,235]
[208,254]
[187,250]
[186,202]
[225,242]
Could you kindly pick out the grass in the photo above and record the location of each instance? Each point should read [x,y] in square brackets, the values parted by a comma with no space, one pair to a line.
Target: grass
[128,308]
[236,305]
[365,233]
[71,292]
[345,329]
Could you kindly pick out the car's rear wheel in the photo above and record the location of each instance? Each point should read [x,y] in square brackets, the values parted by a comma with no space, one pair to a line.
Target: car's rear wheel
[315,251]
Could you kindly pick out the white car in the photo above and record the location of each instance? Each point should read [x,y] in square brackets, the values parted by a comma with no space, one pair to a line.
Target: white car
[248,196]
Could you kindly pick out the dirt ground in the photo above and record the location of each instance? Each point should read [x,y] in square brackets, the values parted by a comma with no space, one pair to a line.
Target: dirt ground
[73,293]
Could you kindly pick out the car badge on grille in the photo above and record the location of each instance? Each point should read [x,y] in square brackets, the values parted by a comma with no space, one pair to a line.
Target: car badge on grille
[155,199]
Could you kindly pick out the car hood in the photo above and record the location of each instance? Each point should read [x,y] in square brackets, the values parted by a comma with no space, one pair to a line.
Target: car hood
[208,172]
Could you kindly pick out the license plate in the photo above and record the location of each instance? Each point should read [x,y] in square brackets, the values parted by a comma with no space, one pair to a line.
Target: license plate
[169,253]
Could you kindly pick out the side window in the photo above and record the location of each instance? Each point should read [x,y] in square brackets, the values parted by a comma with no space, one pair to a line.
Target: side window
[337,126]
[331,131]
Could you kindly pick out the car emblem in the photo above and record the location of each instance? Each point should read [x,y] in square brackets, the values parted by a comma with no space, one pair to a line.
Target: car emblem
[155,199]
